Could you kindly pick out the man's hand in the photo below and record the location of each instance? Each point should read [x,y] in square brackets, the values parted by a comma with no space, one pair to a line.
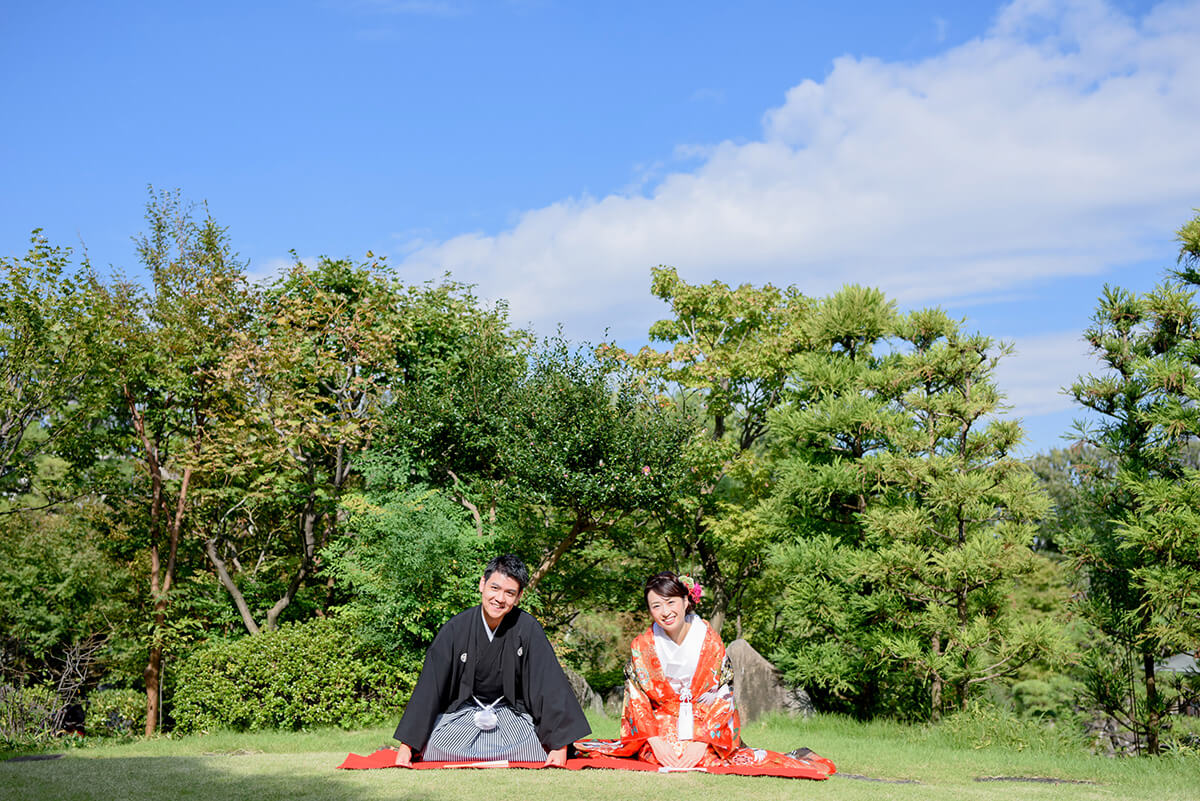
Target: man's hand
[557,758]
[404,756]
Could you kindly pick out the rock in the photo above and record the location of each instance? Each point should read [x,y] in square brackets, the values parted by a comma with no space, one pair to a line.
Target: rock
[758,687]
[1109,738]
[584,693]
[614,702]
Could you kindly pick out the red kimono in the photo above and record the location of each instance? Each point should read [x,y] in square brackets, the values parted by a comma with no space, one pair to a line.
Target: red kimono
[652,709]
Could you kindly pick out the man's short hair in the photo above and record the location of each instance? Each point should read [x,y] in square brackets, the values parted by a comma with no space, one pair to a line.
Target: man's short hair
[508,565]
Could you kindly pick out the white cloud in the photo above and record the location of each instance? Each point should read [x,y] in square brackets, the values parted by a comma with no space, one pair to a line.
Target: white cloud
[1059,143]
[1033,377]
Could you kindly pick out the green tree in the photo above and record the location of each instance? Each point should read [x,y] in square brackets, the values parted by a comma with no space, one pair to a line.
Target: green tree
[909,516]
[726,361]
[154,396]
[306,384]
[46,337]
[1076,479]
[62,595]
[342,358]
[585,452]
[840,407]
[1141,563]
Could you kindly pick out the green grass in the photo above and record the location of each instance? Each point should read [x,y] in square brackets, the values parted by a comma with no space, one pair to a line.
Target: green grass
[266,766]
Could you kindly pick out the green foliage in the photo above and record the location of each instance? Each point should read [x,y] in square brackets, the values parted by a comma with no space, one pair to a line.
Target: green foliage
[1054,698]
[115,713]
[58,589]
[410,561]
[1165,535]
[726,362]
[597,645]
[26,715]
[1078,480]
[557,452]
[589,441]
[46,335]
[902,519]
[1141,560]
[300,676]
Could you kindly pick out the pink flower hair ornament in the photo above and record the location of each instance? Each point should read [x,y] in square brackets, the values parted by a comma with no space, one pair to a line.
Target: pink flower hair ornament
[695,590]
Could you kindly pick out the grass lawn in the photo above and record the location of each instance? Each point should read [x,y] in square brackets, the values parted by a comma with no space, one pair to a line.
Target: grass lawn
[944,762]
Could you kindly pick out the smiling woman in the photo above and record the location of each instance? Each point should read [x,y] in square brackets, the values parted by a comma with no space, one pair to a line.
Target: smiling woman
[679,710]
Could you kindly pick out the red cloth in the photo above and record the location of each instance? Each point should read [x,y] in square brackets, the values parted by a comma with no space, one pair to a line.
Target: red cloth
[386,758]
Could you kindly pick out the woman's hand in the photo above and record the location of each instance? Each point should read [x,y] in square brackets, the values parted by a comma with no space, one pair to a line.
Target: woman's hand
[664,752]
[693,752]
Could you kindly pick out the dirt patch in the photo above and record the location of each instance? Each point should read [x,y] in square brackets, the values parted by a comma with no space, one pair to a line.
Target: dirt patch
[1034,779]
[862,778]
[33,757]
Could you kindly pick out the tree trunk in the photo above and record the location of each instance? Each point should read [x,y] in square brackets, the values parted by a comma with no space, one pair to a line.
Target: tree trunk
[151,675]
[1153,719]
[580,526]
[274,612]
[935,689]
[239,600]
[719,603]
[160,587]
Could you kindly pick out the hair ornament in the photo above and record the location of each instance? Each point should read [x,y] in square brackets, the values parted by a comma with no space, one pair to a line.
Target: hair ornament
[694,588]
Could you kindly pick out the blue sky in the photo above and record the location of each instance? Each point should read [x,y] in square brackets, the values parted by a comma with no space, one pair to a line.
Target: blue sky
[1001,160]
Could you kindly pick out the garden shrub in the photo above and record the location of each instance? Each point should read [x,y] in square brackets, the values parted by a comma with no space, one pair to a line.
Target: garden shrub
[26,714]
[1054,698]
[410,561]
[303,675]
[114,712]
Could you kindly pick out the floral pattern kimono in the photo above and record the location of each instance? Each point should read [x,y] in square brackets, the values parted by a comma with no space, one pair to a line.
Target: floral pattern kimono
[657,704]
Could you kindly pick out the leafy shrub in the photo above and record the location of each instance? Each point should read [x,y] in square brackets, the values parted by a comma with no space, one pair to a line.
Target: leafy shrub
[411,560]
[27,714]
[113,713]
[597,645]
[1046,699]
[317,673]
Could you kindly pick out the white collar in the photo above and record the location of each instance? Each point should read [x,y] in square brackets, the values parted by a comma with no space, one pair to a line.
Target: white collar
[679,660]
[491,633]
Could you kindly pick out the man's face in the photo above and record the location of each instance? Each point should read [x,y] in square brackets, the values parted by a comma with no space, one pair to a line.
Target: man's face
[500,594]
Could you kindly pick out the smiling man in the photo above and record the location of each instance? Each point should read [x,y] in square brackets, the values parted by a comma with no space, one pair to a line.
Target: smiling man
[491,687]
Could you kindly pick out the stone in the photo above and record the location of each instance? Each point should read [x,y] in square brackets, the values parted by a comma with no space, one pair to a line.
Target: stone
[758,687]
[614,701]
[584,693]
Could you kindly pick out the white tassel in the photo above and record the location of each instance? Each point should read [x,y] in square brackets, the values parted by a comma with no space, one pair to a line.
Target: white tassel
[686,721]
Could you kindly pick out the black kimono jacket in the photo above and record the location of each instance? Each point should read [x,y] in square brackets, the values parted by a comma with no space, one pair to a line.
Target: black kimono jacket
[530,674]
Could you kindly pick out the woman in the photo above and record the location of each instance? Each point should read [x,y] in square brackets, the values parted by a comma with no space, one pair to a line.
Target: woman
[679,710]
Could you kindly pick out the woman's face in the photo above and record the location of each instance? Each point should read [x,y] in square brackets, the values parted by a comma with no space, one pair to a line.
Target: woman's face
[668,612]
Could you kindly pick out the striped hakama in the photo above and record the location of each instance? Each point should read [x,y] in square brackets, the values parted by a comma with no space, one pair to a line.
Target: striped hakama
[456,738]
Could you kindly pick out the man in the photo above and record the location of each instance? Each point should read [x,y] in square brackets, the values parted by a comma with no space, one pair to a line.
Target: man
[491,687]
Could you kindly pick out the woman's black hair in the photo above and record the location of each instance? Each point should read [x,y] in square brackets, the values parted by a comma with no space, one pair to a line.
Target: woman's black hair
[668,585]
